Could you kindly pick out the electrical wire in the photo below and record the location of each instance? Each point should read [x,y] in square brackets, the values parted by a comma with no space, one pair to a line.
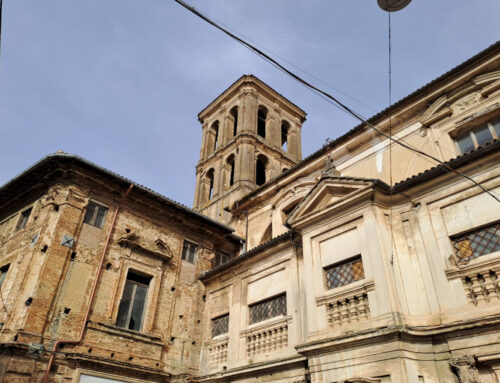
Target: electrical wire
[331,98]
[390,134]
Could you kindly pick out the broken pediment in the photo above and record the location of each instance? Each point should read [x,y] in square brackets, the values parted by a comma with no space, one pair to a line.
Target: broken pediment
[462,99]
[328,192]
[156,248]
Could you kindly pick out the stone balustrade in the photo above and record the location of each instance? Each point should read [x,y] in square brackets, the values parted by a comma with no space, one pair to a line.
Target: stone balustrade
[217,353]
[347,305]
[268,338]
[482,287]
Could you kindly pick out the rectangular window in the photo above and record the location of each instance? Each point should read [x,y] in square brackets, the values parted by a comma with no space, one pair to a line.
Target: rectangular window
[220,259]
[3,273]
[131,310]
[95,215]
[344,273]
[189,252]
[23,219]
[268,308]
[481,135]
[220,325]
[478,242]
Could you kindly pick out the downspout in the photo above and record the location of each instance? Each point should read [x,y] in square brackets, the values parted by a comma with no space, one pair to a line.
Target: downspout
[92,292]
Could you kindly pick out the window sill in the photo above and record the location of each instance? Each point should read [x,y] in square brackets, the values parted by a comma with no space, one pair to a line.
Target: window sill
[123,332]
[347,291]
[268,323]
[475,265]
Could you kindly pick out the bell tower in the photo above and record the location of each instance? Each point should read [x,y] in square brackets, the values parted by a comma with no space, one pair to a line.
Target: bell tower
[250,134]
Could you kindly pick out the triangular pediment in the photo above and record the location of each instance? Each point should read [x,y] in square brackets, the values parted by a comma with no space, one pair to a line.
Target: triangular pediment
[327,193]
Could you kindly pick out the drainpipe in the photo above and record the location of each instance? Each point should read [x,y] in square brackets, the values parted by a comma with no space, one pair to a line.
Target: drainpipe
[92,292]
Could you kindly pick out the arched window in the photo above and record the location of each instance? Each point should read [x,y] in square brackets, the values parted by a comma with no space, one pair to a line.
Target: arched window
[230,165]
[215,130]
[260,170]
[234,115]
[261,121]
[285,127]
[210,178]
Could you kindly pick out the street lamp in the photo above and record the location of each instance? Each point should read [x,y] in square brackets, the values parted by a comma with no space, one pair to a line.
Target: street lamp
[393,5]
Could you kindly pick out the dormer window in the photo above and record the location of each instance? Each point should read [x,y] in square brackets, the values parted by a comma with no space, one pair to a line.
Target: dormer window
[478,136]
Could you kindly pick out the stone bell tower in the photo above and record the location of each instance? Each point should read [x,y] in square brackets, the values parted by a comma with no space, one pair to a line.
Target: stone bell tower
[250,134]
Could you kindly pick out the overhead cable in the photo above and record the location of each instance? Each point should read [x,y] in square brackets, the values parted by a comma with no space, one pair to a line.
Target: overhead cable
[326,95]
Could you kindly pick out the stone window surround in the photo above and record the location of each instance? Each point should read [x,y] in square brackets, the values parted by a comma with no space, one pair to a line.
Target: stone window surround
[81,371]
[15,230]
[199,248]
[150,305]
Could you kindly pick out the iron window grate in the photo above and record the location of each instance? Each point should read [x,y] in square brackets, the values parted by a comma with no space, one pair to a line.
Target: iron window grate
[478,242]
[220,325]
[269,308]
[344,273]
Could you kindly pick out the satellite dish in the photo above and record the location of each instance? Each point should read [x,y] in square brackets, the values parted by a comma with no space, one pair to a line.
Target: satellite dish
[393,5]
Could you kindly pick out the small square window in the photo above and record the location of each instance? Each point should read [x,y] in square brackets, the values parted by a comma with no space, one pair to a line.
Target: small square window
[344,273]
[95,215]
[3,273]
[189,252]
[220,325]
[480,135]
[23,219]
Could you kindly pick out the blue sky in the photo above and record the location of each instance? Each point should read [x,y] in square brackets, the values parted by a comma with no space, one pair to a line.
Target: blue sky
[120,82]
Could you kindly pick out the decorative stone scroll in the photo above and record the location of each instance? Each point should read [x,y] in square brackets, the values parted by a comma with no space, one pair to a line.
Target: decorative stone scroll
[157,248]
[465,369]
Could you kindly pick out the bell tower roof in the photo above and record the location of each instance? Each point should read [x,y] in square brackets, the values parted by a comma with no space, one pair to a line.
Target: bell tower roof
[251,81]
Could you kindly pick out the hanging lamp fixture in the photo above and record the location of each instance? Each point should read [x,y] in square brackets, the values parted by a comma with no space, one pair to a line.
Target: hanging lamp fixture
[393,5]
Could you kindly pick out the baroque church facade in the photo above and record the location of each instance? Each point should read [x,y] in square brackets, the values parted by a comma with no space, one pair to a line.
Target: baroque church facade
[364,262]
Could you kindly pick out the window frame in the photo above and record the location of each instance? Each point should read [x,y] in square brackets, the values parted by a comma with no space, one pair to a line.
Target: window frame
[23,218]
[455,239]
[139,275]
[218,317]
[264,301]
[350,261]
[195,253]
[92,220]
[3,273]
[470,132]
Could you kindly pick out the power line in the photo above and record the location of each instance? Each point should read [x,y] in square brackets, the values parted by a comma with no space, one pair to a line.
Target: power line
[332,99]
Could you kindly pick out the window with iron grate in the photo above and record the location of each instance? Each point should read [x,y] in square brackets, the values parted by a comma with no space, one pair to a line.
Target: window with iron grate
[220,325]
[268,308]
[344,273]
[479,242]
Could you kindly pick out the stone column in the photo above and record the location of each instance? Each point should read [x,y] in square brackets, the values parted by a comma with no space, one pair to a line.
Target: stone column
[196,202]
[249,111]
[203,150]
[228,129]
[273,127]
[246,163]
[294,143]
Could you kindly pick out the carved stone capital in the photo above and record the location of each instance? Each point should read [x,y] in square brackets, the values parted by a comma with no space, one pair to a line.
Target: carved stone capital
[465,369]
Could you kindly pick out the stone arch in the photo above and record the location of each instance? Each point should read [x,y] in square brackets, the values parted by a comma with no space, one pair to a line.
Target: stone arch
[233,117]
[208,181]
[262,113]
[261,167]
[285,130]
[229,170]
[213,137]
